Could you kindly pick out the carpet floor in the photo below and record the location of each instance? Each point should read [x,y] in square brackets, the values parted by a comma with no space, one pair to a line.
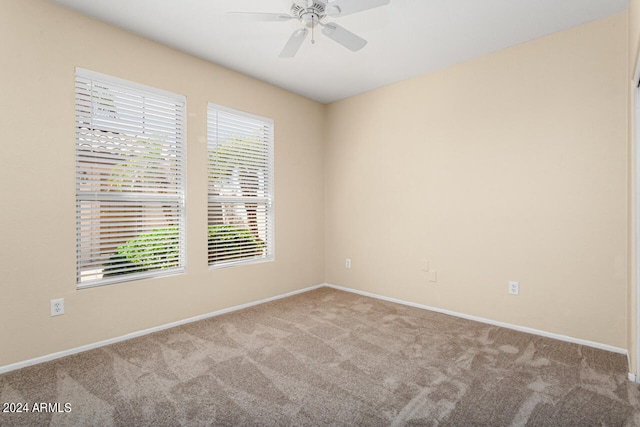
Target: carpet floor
[328,357]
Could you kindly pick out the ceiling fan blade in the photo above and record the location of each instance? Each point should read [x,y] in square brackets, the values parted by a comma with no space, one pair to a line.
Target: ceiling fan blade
[345,37]
[258,16]
[339,8]
[294,43]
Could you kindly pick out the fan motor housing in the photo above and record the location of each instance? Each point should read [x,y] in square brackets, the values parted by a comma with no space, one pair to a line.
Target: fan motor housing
[309,15]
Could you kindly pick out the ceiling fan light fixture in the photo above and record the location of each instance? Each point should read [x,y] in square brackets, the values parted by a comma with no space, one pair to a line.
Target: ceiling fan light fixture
[311,14]
[310,19]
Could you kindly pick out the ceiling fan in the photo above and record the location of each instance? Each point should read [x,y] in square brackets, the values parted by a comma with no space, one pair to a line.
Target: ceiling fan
[312,13]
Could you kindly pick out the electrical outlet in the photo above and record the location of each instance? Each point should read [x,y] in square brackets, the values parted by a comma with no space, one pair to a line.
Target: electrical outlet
[347,263]
[57,307]
[514,288]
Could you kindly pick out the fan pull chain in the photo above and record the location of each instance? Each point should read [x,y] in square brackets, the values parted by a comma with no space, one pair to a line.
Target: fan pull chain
[313,27]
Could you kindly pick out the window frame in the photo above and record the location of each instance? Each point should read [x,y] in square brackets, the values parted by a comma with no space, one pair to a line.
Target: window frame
[268,140]
[154,196]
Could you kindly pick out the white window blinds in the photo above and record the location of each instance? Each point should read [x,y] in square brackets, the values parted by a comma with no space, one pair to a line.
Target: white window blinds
[130,183]
[240,209]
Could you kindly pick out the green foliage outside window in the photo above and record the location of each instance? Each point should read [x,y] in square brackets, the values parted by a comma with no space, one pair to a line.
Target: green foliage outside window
[158,249]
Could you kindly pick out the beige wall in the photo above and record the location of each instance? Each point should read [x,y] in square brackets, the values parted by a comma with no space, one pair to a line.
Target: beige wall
[508,167]
[634,45]
[512,166]
[41,45]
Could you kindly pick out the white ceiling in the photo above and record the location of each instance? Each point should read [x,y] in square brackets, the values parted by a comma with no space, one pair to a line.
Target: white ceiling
[406,38]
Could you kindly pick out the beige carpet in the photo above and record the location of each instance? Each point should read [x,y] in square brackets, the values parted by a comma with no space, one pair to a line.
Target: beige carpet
[328,357]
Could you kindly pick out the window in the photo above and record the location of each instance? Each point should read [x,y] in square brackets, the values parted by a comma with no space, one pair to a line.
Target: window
[240,212]
[130,183]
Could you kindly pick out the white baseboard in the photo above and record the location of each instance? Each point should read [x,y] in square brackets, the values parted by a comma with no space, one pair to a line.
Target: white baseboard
[633,377]
[58,355]
[487,321]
